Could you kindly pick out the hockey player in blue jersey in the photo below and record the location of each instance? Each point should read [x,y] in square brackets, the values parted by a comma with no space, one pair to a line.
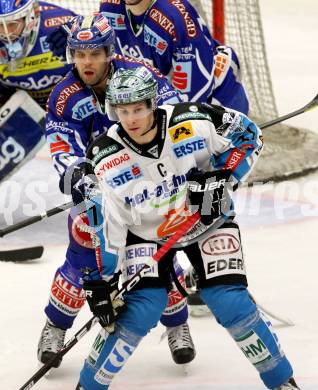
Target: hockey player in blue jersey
[74,119]
[26,64]
[173,37]
[204,150]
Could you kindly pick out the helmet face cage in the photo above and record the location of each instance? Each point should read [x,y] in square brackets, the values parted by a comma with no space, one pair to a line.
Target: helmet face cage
[89,33]
[15,44]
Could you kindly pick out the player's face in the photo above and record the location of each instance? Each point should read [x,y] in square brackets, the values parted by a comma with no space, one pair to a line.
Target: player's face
[92,65]
[11,31]
[137,120]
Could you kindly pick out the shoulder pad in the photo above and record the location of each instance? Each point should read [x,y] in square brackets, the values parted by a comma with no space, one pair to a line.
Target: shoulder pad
[103,147]
[188,111]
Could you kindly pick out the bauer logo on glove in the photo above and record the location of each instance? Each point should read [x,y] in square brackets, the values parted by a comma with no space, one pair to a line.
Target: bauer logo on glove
[208,193]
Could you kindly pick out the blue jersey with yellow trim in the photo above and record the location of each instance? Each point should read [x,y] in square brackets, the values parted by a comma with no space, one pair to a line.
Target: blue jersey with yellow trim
[74,118]
[173,37]
[40,71]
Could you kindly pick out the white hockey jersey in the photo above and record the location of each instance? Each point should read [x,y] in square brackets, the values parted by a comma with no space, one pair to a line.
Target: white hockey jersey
[144,187]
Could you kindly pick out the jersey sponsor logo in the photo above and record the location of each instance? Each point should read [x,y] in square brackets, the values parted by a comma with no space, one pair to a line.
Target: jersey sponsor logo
[232,122]
[182,76]
[181,133]
[112,149]
[102,25]
[136,257]
[184,53]
[65,94]
[45,47]
[154,40]
[32,85]
[190,25]
[222,63]
[224,266]
[67,294]
[190,115]
[188,147]
[221,244]
[163,191]
[175,219]
[254,348]
[10,150]
[234,159]
[58,144]
[113,163]
[58,126]
[132,51]
[84,108]
[116,359]
[117,21]
[57,21]
[163,21]
[125,175]
[32,64]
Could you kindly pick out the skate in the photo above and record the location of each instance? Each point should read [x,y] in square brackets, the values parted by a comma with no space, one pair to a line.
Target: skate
[290,385]
[197,308]
[51,341]
[181,344]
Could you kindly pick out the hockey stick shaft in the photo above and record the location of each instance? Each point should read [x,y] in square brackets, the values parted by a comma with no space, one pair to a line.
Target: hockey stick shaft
[284,321]
[36,218]
[126,287]
[312,104]
[70,344]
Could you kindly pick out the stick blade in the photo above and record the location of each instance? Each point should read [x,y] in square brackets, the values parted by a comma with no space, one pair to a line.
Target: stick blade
[23,254]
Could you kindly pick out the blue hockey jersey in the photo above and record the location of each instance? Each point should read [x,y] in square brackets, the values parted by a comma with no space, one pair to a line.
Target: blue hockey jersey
[40,70]
[174,38]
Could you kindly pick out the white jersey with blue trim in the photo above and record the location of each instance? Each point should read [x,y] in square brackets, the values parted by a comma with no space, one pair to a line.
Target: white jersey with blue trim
[144,187]
[173,37]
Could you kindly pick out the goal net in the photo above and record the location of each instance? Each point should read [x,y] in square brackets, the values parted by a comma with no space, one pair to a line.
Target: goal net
[238,23]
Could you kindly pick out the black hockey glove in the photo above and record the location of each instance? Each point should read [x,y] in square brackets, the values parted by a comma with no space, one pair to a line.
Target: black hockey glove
[208,193]
[79,183]
[57,40]
[100,296]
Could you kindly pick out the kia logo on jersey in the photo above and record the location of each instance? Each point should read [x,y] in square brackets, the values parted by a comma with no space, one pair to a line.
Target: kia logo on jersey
[220,244]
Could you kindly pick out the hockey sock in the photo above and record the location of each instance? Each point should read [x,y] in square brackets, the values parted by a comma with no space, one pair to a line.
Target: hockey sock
[234,310]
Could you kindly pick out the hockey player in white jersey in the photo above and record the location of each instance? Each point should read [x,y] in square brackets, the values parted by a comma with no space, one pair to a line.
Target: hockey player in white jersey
[202,151]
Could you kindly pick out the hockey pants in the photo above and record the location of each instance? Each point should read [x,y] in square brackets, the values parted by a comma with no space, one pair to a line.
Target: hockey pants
[67,297]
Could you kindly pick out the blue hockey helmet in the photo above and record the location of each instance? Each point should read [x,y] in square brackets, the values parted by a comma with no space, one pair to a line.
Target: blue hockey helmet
[88,33]
[19,24]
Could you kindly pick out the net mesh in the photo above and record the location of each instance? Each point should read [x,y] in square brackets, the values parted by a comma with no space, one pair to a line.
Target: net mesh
[285,147]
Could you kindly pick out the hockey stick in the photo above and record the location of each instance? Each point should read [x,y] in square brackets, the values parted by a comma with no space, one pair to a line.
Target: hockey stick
[58,209]
[124,289]
[23,254]
[36,218]
[312,104]
[284,321]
